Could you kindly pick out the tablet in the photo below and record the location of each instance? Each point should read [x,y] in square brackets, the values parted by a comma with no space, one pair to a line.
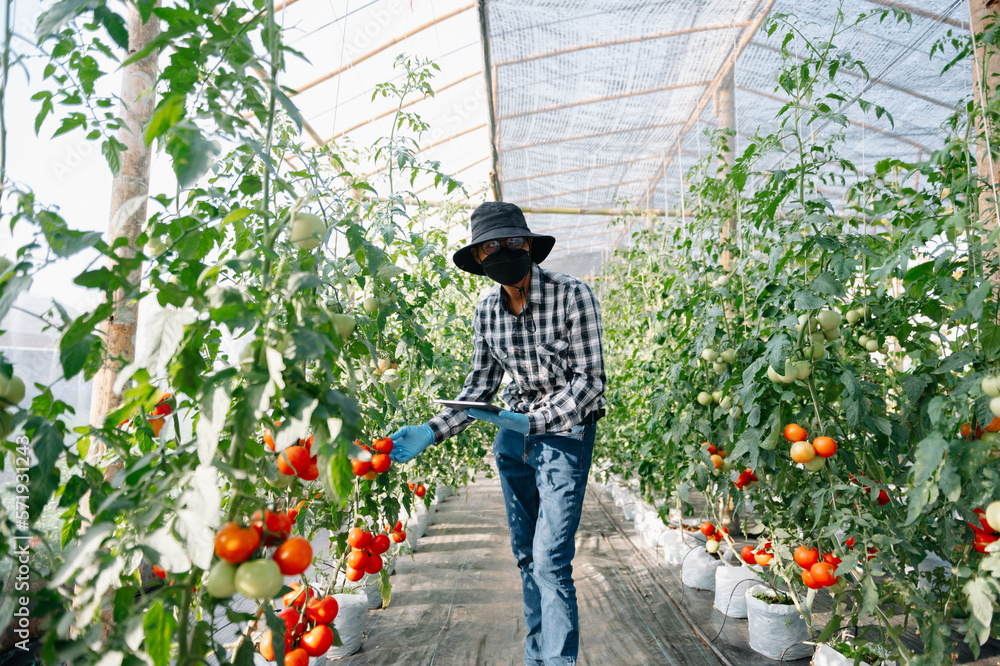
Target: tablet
[465,404]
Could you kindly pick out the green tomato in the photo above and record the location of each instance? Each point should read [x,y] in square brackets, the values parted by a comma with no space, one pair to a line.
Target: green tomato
[829,319]
[991,438]
[803,369]
[729,356]
[280,480]
[392,378]
[716,396]
[990,384]
[371,305]
[704,398]
[839,586]
[816,352]
[259,579]
[710,355]
[344,324]
[863,340]
[221,580]
[725,402]
[995,406]
[712,546]
[872,345]
[719,367]
[14,392]
[307,231]
[853,316]
[816,464]
[831,334]
[993,515]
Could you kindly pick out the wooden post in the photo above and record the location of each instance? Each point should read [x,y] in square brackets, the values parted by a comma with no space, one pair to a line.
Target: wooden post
[130,185]
[725,113]
[986,72]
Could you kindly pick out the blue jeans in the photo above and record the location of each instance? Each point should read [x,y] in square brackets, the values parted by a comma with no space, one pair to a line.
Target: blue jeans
[544,478]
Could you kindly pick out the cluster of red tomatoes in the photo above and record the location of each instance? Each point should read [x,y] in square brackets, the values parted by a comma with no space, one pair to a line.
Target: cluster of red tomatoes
[296,460]
[380,461]
[366,552]
[817,573]
[761,557]
[984,532]
[158,416]
[244,565]
[747,478]
[718,455]
[308,632]
[814,455]
[418,489]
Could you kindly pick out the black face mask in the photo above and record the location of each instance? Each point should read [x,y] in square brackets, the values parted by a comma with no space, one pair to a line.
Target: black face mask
[507,266]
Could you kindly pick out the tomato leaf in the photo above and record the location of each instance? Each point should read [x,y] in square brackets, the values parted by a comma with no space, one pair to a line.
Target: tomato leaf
[158,626]
[930,452]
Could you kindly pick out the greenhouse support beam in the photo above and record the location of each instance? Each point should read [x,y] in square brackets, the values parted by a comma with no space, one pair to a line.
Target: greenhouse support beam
[490,76]
[379,49]
[916,11]
[727,66]
[985,72]
[602,186]
[320,144]
[618,42]
[138,100]
[724,109]
[606,98]
[645,158]
[540,210]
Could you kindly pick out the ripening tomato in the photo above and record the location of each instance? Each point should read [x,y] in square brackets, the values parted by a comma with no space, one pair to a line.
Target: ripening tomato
[297,657]
[411,486]
[294,460]
[709,447]
[420,491]
[268,438]
[748,555]
[399,526]
[994,425]
[266,646]
[822,573]
[381,463]
[802,452]
[762,558]
[717,461]
[380,544]
[236,544]
[353,575]
[311,473]
[805,556]
[159,572]
[294,556]
[279,526]
[359,538]
[825,447]
[357,559]
[308,442]
[794,433]
[708,529]
[322,611]
[966,429]
[399,536]
[830,558]
[317,641]
[360,467]
[809,581]
[298,597]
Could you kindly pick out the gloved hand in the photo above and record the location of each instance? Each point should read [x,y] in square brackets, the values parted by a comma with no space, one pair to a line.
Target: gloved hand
[509,420]
[410,441]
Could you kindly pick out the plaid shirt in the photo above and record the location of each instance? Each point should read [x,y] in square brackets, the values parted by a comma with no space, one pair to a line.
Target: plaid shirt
[551,351]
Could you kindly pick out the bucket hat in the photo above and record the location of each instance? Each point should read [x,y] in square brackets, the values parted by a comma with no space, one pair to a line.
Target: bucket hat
[494,220]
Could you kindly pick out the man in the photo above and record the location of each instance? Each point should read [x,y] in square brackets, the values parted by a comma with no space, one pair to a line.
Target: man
[544,331]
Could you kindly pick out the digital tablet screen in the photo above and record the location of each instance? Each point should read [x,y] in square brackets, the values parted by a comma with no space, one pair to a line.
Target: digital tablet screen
[465,404]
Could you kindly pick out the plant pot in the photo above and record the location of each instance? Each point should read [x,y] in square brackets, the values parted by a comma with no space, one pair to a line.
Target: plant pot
[443,492]
[827,656]
[776,630]
[652,528]
[349,623]
[731,584]
[698,570]
[676,543]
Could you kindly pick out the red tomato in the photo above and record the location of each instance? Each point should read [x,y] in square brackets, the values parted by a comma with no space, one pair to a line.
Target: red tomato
[383,445]
[708,529]
[983,526]
[748,555]
[322,611]
[420,491]
[374,564]
[317,641]
[793,432]
[359,538]
[298,597]
[294,460]
[291,618]
[279,526]
[268,438]
[297,657]
[381,462]
[805,556]
[380,544]
[399,536]
[982,540]
[294,556]
[358,559]
[311,473]
[236,544]
[159,572]
[410,486]
[822,573]
[830,558]
[354,575]
[360,467]
[308,442]
[825,447]
[809,581]
[762,558]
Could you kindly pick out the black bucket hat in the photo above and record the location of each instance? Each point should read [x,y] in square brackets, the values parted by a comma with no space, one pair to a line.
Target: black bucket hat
[494,220]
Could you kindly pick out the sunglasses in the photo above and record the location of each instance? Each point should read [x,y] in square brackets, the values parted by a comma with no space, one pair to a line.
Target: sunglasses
[493,246]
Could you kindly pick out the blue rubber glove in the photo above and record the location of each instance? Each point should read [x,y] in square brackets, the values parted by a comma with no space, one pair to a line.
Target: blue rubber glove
[509,420]
[409,442]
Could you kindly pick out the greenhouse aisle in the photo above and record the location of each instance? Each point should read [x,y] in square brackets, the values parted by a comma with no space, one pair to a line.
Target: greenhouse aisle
[458,601]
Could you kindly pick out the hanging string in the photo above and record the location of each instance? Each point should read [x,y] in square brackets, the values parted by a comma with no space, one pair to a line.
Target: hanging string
[982,102]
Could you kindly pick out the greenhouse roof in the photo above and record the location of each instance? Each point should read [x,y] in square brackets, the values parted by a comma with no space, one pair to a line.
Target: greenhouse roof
[594,105]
